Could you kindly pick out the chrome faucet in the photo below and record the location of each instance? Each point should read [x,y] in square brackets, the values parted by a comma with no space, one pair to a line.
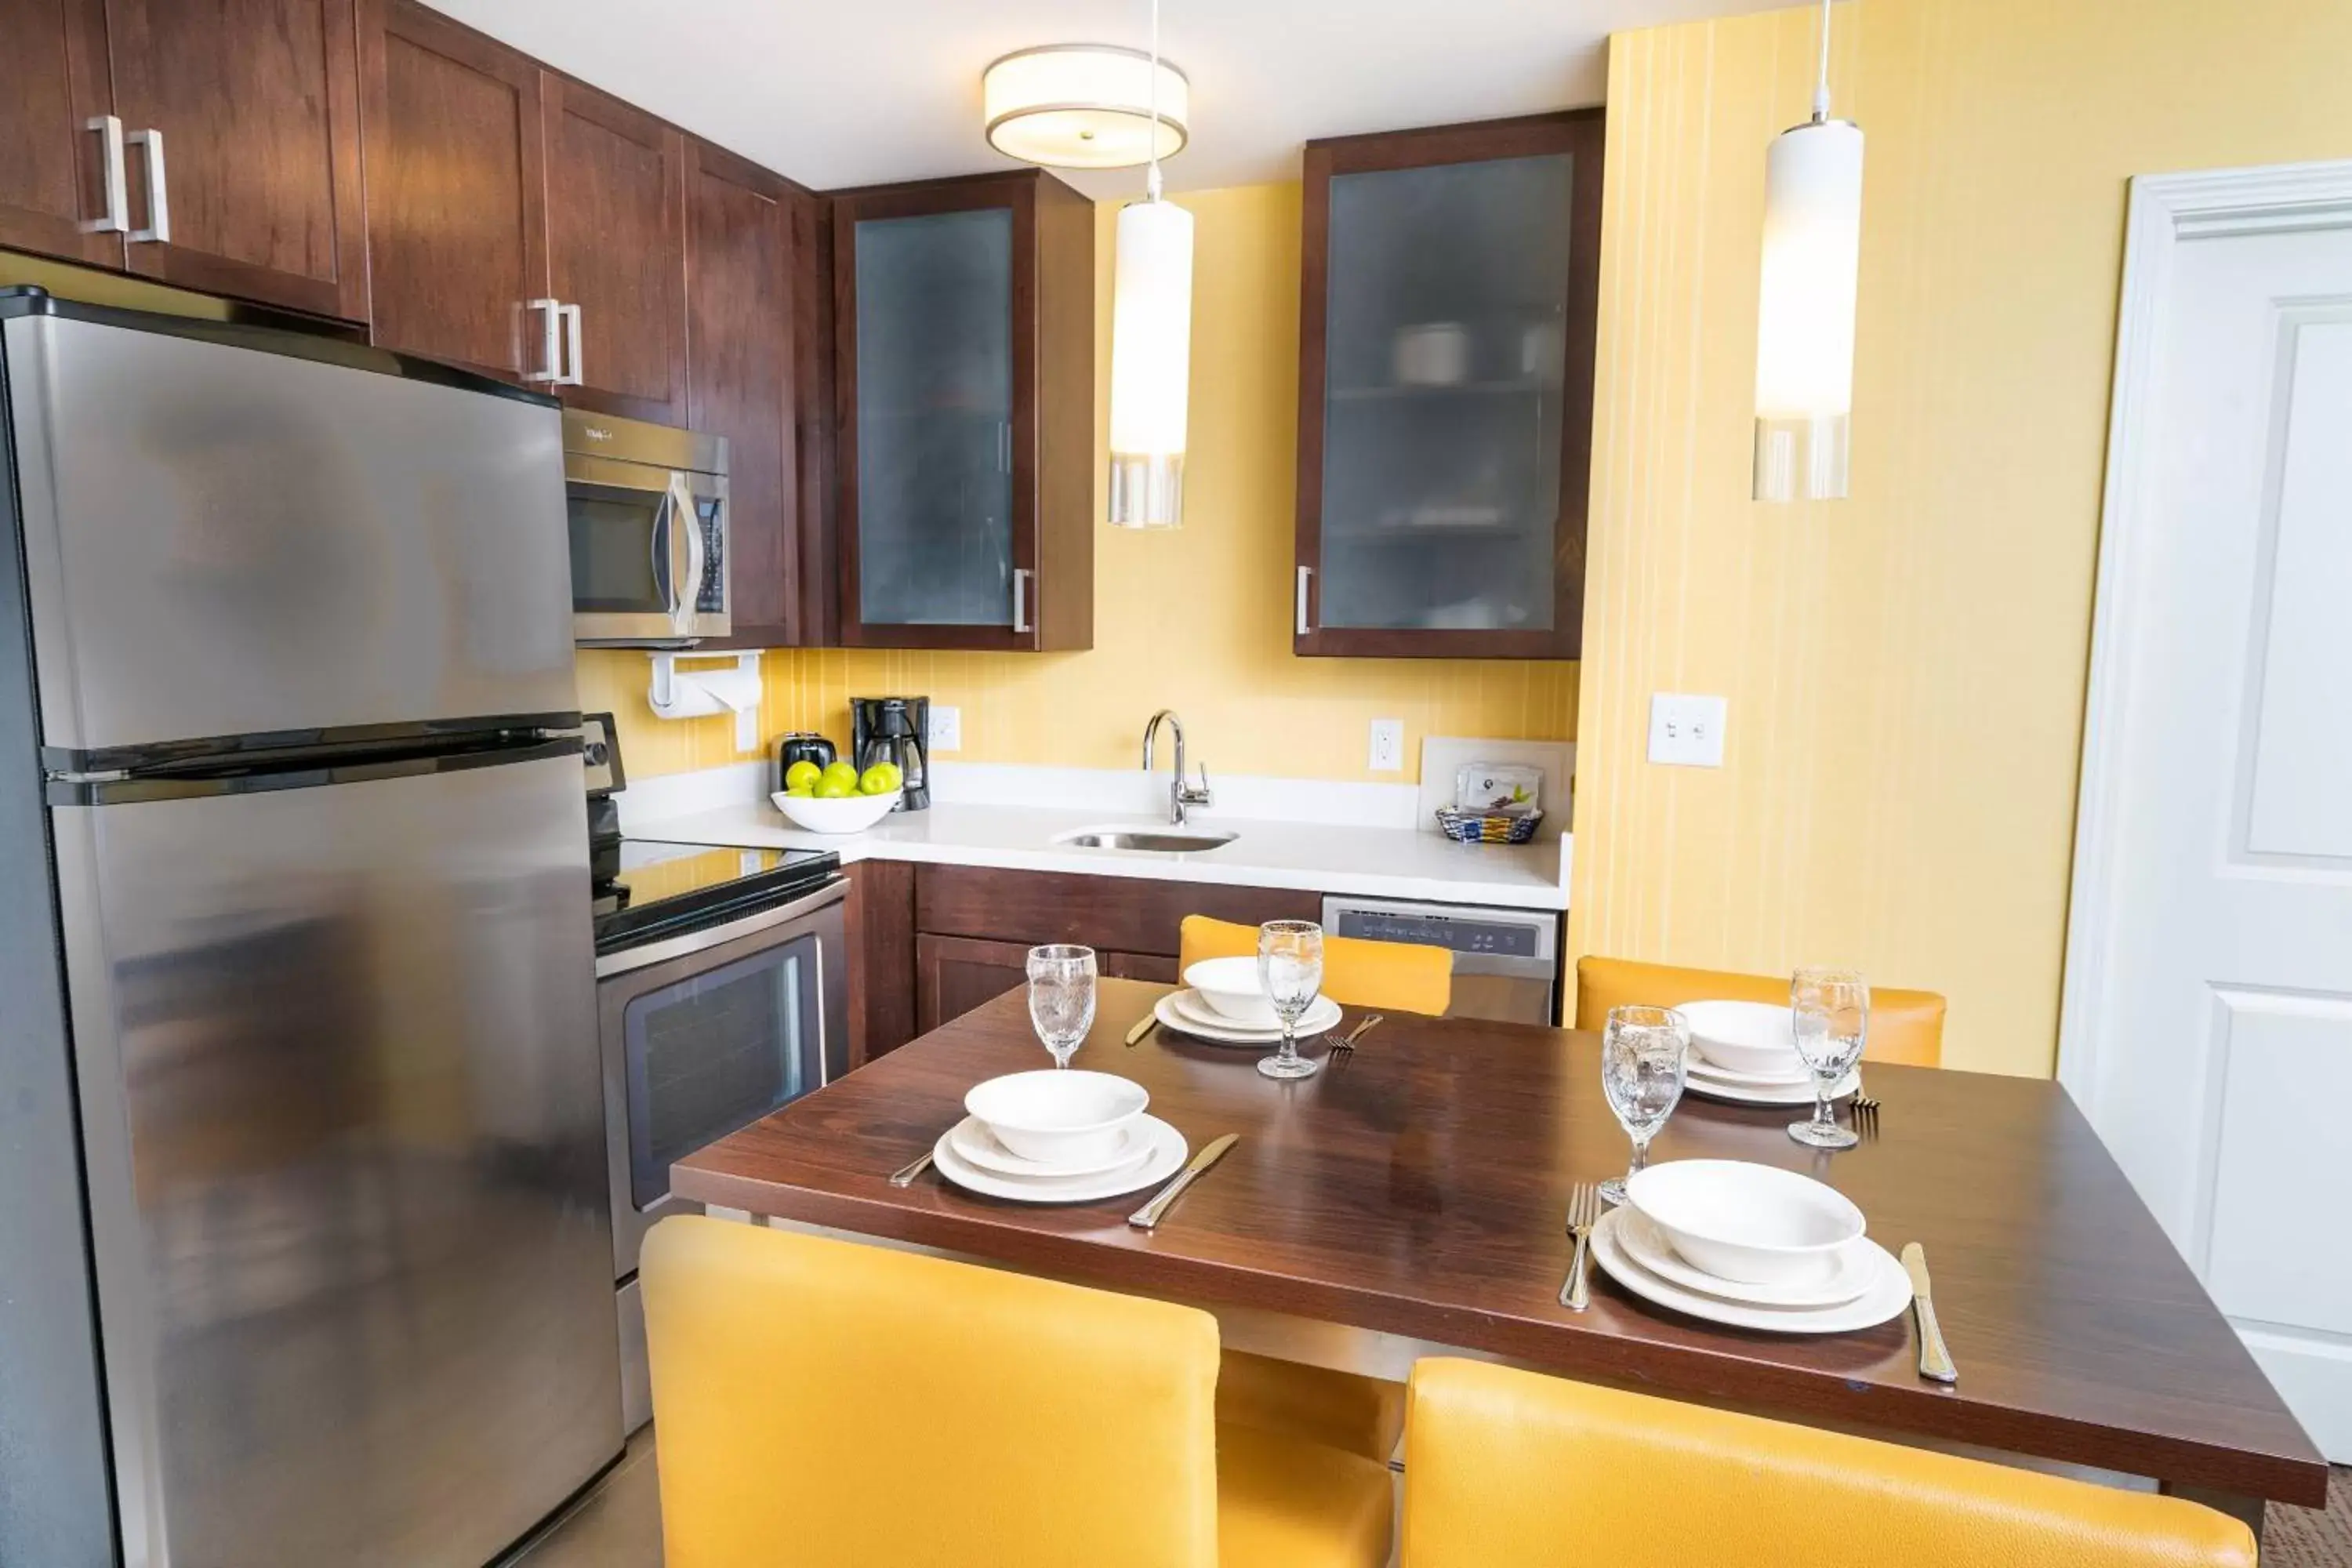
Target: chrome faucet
[1179,793]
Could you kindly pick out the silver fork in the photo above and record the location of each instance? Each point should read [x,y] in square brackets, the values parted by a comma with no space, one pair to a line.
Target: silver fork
[1583,1214]
[1864,1108]
[1344,1046]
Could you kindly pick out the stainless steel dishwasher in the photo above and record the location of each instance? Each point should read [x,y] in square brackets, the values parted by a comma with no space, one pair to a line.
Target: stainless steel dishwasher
[1506,961]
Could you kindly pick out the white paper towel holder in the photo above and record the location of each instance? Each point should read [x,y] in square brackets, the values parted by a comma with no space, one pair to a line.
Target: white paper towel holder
[664,689]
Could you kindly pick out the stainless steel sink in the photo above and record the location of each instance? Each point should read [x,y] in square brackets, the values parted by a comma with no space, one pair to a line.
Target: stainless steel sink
[1158,840]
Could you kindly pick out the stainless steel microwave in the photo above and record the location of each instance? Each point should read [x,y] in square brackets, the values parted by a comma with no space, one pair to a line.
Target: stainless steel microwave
[648,511]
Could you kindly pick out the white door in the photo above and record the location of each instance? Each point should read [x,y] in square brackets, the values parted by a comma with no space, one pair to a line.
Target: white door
[2208,1026]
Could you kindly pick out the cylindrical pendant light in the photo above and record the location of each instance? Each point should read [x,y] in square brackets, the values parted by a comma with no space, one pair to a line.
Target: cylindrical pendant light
[1150,352]
[1805,305]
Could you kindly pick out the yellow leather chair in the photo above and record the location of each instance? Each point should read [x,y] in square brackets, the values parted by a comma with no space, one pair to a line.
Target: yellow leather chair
[826,1403]
[1512,1469]
[1906,1027]
[1397,975]
[1361,1414]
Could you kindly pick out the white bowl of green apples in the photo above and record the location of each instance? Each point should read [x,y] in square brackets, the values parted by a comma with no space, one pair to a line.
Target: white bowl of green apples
[837,798]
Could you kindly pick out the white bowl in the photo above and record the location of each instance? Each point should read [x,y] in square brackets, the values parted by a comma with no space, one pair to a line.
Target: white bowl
[1061,1116]
[1758,1225]
[1231,986]
[849,814]
[1753,1037]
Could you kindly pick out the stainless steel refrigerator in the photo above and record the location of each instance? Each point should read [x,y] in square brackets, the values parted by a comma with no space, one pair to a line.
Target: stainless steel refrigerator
[305,1251]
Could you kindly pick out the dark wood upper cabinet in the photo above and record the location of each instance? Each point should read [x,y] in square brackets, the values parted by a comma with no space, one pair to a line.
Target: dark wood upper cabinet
[457,214]
[963,321]
[741,369]
[616,250]
[53,82]
[255,105]
[1449,290]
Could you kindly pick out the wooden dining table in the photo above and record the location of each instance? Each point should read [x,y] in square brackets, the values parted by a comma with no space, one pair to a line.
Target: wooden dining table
[1416,1192]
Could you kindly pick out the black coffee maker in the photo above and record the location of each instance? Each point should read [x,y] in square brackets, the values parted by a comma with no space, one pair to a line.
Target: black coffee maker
[895,730]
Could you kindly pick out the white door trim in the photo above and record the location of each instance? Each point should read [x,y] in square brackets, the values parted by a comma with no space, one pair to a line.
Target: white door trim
[2165,211]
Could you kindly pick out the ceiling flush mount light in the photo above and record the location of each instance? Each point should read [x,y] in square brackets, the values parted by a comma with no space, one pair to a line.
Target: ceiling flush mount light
[1085,106]
[1804,320]
[1150,351]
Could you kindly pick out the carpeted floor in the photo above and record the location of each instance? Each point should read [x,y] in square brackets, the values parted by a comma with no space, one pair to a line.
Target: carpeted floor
[2311,1537]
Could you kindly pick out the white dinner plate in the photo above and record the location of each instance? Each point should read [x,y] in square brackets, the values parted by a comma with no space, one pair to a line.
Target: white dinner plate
[1717,1073]
[1887,1296]
[1749,1094]
[971,1139]
[1641,1241]
[1166,1158]
[1187,1014]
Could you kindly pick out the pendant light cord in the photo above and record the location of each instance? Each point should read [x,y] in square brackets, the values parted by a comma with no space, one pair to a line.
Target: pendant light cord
[1821,84]
[1151,177]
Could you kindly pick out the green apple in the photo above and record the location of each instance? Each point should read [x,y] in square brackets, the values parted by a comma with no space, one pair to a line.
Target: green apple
[802,792]
[879,779]
[801,776]
[832,788]
[844,774]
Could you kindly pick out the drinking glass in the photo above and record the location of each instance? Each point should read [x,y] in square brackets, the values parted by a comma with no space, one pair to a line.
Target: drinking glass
[1645,1056]
[1290,968]
[1061,997]
[1829,1010]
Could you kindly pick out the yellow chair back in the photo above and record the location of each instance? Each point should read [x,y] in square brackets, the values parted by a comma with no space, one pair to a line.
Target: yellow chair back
[819,1401]
[1906,1027]
[1405,976]
[1512,1469]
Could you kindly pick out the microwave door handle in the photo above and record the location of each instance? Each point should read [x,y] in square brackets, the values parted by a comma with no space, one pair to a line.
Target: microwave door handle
[683,521]
[663,553]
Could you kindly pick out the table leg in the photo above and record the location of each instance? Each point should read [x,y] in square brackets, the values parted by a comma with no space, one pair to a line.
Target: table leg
[2246,1511]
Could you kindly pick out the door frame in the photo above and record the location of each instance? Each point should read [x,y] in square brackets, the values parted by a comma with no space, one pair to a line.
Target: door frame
[2165,211]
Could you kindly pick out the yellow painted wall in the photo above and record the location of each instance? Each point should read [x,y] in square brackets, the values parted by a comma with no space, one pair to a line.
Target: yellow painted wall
[1198,620]
[1906,669]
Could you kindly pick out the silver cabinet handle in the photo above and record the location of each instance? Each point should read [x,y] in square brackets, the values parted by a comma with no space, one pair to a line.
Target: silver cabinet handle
[570,314]
[118,184]
[1021,598]
[551,347]
[1304,573]
[159,208]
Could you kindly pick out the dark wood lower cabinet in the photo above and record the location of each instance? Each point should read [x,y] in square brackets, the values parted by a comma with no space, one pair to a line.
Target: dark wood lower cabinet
[954,974]
[971,929]
[880,923]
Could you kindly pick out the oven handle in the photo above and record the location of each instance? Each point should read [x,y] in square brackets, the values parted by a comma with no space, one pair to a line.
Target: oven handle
[662,952]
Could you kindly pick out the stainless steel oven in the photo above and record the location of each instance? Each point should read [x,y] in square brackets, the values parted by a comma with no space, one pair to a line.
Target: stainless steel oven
[648,512]
[722,994]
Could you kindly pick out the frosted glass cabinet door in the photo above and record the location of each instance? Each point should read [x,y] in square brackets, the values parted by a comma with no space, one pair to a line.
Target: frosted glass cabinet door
[934,413]
[1448,359]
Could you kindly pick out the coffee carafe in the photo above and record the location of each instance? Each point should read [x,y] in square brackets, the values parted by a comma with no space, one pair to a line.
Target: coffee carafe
[895,730]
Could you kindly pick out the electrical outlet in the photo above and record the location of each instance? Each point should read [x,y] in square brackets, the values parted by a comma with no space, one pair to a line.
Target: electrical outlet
[1686,732]
[1388,745]
[946,730]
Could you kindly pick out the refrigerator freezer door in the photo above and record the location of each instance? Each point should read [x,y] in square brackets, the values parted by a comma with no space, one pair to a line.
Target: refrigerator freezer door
[223,541]
[342,1123]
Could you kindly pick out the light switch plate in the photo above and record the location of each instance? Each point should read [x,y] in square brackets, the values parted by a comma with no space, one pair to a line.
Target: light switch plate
[1388,746]
[1686,732]
[946,730]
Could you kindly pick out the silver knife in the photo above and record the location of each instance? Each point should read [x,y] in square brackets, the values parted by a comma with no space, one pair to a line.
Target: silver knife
[1149,1215]
[1934,1360]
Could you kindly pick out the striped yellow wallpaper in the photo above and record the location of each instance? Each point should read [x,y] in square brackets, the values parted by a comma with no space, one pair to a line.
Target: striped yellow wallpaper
[1906,669]
[1198,620]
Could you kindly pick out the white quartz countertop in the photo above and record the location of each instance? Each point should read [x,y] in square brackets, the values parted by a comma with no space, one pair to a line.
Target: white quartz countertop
[1379,862]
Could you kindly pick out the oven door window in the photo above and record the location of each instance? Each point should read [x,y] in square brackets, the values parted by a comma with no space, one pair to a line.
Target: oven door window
[716,1051]
[620,550]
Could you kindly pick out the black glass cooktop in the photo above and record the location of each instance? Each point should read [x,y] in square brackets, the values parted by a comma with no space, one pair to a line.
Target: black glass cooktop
[666,889]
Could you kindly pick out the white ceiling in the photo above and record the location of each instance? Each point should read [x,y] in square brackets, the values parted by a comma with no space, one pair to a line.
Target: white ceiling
[842,92]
